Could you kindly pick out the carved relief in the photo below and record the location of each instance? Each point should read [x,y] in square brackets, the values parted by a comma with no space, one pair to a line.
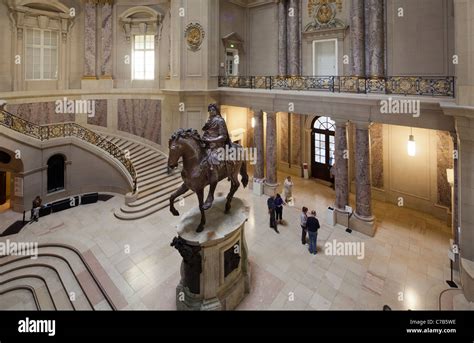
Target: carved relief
[194,34]
[323,13]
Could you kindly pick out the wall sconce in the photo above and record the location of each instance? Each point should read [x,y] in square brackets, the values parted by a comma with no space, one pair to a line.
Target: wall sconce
[411,146]
[253,123]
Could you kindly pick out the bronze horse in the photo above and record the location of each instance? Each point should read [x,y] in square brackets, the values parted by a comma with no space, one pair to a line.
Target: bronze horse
[188,145]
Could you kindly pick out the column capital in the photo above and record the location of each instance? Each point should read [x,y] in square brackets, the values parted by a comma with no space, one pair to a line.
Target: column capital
[362,125]
[340,122]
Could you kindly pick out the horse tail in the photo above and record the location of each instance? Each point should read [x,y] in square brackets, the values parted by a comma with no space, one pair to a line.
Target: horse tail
[243,173]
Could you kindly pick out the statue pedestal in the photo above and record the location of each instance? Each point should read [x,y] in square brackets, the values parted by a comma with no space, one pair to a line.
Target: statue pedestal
[214,272]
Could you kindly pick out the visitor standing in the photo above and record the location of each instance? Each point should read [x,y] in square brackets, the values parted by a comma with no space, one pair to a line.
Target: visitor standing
[312,226]
[271,211]
[303,218]
[279,208]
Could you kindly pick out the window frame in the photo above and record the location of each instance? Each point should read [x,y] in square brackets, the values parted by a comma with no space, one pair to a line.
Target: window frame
[144,50]
[42,48]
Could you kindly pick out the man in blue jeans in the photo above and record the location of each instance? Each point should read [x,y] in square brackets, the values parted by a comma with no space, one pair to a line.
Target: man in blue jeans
[312,226]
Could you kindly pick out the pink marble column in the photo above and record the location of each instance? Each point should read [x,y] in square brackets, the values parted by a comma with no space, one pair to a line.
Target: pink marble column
[271,157]
[362,173]
[357,29]
[375,45]
[107,40]
[90,39]
[282,38]
[342,168]
[294,38]
[258,141]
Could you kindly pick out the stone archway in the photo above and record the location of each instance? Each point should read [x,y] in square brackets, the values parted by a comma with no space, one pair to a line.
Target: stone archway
[11,181]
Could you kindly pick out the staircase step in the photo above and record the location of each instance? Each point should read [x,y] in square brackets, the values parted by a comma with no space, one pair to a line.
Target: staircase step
[155,178]
[156,184]
[174,183]
[151,166]
[136,160]
[148,211]
[149,161]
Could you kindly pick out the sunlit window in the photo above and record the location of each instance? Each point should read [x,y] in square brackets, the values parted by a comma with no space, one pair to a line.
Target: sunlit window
[143,57]
[41,54]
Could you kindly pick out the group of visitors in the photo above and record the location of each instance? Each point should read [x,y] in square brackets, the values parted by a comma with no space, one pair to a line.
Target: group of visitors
[308,221]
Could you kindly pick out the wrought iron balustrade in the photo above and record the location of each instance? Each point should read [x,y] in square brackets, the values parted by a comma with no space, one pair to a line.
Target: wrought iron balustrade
[64,130]
[442,86]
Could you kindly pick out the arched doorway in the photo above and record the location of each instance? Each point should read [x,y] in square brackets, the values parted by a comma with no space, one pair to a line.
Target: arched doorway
[56,165]
[322,147]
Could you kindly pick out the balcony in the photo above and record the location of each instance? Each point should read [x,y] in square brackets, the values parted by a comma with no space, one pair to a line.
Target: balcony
[434,86]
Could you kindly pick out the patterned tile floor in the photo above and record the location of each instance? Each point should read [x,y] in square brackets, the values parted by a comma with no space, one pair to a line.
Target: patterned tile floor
[404,266]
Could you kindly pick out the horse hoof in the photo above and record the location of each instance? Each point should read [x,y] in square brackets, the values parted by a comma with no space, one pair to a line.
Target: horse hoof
[175,212]
[206,206]
[200,228]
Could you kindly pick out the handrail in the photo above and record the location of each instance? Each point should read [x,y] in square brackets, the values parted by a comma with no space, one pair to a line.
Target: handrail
[442,86]
[63,130]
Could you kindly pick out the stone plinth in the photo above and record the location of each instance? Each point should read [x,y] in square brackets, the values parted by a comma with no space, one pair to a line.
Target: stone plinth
[214,273]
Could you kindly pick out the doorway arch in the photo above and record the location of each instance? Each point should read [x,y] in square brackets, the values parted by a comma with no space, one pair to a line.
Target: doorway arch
[322,147]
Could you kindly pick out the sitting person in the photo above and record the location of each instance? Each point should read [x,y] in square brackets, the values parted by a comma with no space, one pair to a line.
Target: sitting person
[36,208]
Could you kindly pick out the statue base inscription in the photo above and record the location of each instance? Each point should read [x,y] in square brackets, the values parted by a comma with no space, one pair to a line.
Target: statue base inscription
[215,272]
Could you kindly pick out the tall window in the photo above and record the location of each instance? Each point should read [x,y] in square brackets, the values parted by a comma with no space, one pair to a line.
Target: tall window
[41,54]
[56,165]
[143,57]
[323,146]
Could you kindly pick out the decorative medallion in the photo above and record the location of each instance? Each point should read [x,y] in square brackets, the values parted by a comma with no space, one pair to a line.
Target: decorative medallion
[194,34]
[323,13]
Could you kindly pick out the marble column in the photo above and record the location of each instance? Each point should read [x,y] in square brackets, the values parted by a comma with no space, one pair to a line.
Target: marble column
[375,45]
[293,24]
[90,40]
[107,40]
[342,166]
[258,141]
[357,30]
[362,173]
[271,146]
[282,38]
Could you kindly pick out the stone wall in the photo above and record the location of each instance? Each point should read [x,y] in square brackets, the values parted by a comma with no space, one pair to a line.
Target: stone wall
[100,117]
[40,113]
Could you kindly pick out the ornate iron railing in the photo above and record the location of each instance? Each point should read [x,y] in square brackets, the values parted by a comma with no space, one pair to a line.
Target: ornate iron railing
[442,86]
[64,130]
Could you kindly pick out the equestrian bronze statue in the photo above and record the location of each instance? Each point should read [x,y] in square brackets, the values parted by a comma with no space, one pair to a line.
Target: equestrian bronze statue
[205,163]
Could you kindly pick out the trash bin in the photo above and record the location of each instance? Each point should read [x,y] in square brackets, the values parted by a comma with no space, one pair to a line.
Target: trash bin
[331,216]
[258,187]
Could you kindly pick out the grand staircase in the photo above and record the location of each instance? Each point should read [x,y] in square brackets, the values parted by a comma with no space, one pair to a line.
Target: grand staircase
[154,184]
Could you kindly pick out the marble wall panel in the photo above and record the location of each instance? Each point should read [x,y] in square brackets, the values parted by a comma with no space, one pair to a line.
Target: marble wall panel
[296,134]
[283,138]
[100,117]
[444,161]
[40,113]
[376,152]
[140,117]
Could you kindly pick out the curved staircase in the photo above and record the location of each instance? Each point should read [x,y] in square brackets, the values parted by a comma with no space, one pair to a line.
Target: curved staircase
[154,184]
[59,279]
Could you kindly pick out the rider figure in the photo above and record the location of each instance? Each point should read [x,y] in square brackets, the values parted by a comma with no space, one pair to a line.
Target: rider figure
[216,137]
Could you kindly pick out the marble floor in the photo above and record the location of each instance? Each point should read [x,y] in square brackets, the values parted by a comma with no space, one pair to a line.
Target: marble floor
[404,266]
